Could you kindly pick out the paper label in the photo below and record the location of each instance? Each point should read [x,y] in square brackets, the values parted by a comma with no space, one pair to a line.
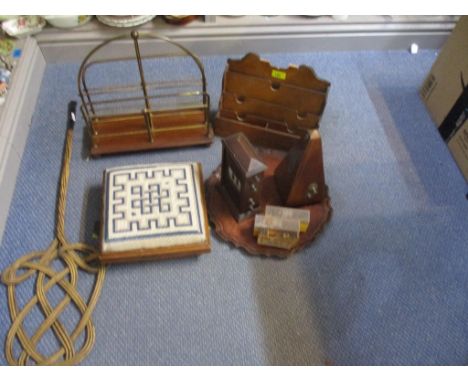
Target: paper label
[278,74]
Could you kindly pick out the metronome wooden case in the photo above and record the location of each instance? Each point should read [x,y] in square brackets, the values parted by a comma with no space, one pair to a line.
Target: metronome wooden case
[300,177]
[153,113]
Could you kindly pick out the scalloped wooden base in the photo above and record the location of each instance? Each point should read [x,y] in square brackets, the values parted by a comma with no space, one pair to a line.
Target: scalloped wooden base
[241,234]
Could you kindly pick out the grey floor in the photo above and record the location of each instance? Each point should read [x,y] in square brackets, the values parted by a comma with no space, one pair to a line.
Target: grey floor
[385,283]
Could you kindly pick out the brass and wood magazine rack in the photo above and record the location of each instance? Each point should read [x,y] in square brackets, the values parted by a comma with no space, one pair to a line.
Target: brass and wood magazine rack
[149,114]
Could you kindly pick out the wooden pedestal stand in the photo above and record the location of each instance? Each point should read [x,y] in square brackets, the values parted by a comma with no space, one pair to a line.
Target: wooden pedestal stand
[241,233]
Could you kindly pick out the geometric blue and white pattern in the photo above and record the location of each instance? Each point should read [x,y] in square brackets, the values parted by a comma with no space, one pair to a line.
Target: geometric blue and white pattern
[152,206]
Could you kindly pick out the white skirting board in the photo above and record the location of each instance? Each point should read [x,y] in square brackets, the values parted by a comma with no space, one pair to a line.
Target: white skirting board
[282,34]
[15,120]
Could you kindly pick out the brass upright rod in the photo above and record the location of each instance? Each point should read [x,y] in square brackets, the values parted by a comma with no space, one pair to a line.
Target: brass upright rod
[140,68]
[147,111]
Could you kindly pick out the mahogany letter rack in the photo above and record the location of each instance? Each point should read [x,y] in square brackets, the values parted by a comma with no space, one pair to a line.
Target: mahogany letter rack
[273,107]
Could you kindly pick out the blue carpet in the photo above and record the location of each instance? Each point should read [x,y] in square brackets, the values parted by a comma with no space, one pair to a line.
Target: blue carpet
[385,283]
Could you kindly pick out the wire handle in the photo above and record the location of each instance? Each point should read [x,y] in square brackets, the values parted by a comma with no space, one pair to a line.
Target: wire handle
[71,114]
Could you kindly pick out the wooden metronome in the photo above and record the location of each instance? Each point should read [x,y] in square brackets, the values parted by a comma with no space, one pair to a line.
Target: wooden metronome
[300,177]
